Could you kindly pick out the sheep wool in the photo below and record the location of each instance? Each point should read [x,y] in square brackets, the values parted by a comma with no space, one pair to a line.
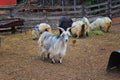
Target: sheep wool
[103,24]
[77,30]
[87,25]
[39,29]
[45,27]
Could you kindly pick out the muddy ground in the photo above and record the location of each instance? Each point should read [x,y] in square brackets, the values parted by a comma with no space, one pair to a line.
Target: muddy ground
[86,60]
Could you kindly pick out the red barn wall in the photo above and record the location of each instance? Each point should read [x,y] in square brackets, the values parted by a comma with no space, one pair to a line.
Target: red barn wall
[7,2]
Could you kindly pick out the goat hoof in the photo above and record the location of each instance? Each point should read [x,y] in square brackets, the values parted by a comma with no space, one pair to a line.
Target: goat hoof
[41,58]
[34,38]
[60,62]
[53,62]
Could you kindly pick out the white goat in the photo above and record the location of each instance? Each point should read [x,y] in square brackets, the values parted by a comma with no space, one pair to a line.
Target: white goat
[54,44]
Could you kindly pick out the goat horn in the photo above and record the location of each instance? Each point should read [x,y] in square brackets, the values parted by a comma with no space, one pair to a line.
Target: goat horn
[70,28]
[61,28]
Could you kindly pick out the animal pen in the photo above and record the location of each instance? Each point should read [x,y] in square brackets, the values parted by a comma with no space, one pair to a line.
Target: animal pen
[52,10]
[74,8]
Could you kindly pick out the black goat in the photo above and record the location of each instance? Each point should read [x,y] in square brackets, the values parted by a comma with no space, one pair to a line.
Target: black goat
[65,22]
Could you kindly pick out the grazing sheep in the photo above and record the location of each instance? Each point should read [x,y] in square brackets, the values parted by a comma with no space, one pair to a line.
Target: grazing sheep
[54,44]
[103,24]
[108,23]
[39,29]
[78,28]
[65,22]
[81,27]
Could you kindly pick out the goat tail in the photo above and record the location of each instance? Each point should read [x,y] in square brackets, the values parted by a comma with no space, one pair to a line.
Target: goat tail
[82,30]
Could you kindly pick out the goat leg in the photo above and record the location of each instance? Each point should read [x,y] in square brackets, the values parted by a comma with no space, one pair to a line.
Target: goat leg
[53,61]
[101,28]
[87,34]
[107,30]
[60,61]
[42,57]
[52,57]
[48,56]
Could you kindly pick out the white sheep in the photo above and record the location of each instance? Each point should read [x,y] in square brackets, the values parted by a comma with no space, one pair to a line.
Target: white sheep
[39,29]
[81,27]
[54,44]
[103,24]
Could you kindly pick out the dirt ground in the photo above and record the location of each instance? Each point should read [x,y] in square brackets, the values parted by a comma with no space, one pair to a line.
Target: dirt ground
[86,60]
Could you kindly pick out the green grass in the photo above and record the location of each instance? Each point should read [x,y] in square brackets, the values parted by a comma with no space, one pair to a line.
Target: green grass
[93,32]
[96,32]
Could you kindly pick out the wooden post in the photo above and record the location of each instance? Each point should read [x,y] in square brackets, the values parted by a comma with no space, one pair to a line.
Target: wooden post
[74,8]
[52,3]
[45,15]
[43,3]
[11,12]
[62,1]
[13,30]
[109,9]
[83,9]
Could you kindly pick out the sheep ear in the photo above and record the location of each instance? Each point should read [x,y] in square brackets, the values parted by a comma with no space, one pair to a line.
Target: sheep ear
[61,29]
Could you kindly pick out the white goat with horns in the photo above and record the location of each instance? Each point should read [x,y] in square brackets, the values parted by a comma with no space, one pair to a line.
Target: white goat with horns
[54,45]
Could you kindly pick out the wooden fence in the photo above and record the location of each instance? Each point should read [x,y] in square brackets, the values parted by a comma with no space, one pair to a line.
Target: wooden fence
[110,8]
[8,11]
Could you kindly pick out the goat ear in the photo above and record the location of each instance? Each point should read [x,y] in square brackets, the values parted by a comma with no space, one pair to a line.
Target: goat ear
[68,33]
[61,29]
[68,29]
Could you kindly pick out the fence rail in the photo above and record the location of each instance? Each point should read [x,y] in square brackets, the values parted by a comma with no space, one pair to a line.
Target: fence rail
[110,8]
[8,10]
